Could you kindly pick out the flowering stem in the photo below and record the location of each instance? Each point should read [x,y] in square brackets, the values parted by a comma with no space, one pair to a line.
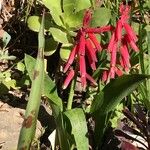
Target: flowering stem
[141,57]
[148,81]
[71,95]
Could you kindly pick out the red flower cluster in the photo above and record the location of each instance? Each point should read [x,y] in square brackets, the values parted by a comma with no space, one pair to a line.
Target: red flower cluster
[122,36]
[86,44]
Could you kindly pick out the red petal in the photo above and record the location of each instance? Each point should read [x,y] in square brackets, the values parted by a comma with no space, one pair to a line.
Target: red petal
[71,58]
[68,79]
[112,72]
[82,71]
[100,29]
[105,76]
[92,64]
[95,41]
[113,55]
[125,55]
[82,66]
[82,44]
[130,32]
[132,43]
[90,50]
[118,32]
[91,79]
[87,17]
[111,43]
[119,72]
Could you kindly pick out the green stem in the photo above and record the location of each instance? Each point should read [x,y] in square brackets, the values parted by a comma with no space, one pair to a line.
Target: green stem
[71,95]
[141,56]
[148,81]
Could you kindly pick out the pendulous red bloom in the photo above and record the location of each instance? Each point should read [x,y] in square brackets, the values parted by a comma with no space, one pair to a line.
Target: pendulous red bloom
[123,36]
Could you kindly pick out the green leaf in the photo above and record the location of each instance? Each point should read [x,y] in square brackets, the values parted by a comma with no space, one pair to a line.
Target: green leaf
[50,4]
[72,19]
[68,5]
[20,66]
[27,132]
[77,120]
[101,20]
[49,87]
[65,52]
[50,46]
[55,10]
[82,4]
[10,83]
[106,100]
[59,35]
[6,39]
[34,23]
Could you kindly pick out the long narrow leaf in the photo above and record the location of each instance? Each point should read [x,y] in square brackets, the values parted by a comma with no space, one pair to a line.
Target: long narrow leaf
[49,86]
[115,91]
[29,124]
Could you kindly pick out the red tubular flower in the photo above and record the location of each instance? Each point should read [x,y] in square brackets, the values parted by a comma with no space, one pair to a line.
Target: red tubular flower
[99,29]
[105,76]
[71,58]
[91,62]
[131,43]
[119,72]
[113,55]
[82,44]
[120,41]
[91,79]
[86,44]
[90,50]
[118,30]
[68,78]
[111,43]
[82,71]
[125,54]
[95,41]
[87,17]
[130,32]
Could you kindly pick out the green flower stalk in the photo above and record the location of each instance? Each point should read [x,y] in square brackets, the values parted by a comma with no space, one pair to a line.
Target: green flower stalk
[27,132]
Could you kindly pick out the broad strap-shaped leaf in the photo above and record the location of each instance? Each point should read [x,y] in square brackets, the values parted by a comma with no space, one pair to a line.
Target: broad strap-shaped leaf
[106,100]
[29,124]
[77,120]
[49,86]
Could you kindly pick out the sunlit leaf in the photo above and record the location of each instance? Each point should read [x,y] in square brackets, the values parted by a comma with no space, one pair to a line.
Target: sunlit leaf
[6,38]
[77,120]
[106,100]
[101,17]
[59,35]
[55,10]
[34,23]
[49,86]
[65,51]
[82,4]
